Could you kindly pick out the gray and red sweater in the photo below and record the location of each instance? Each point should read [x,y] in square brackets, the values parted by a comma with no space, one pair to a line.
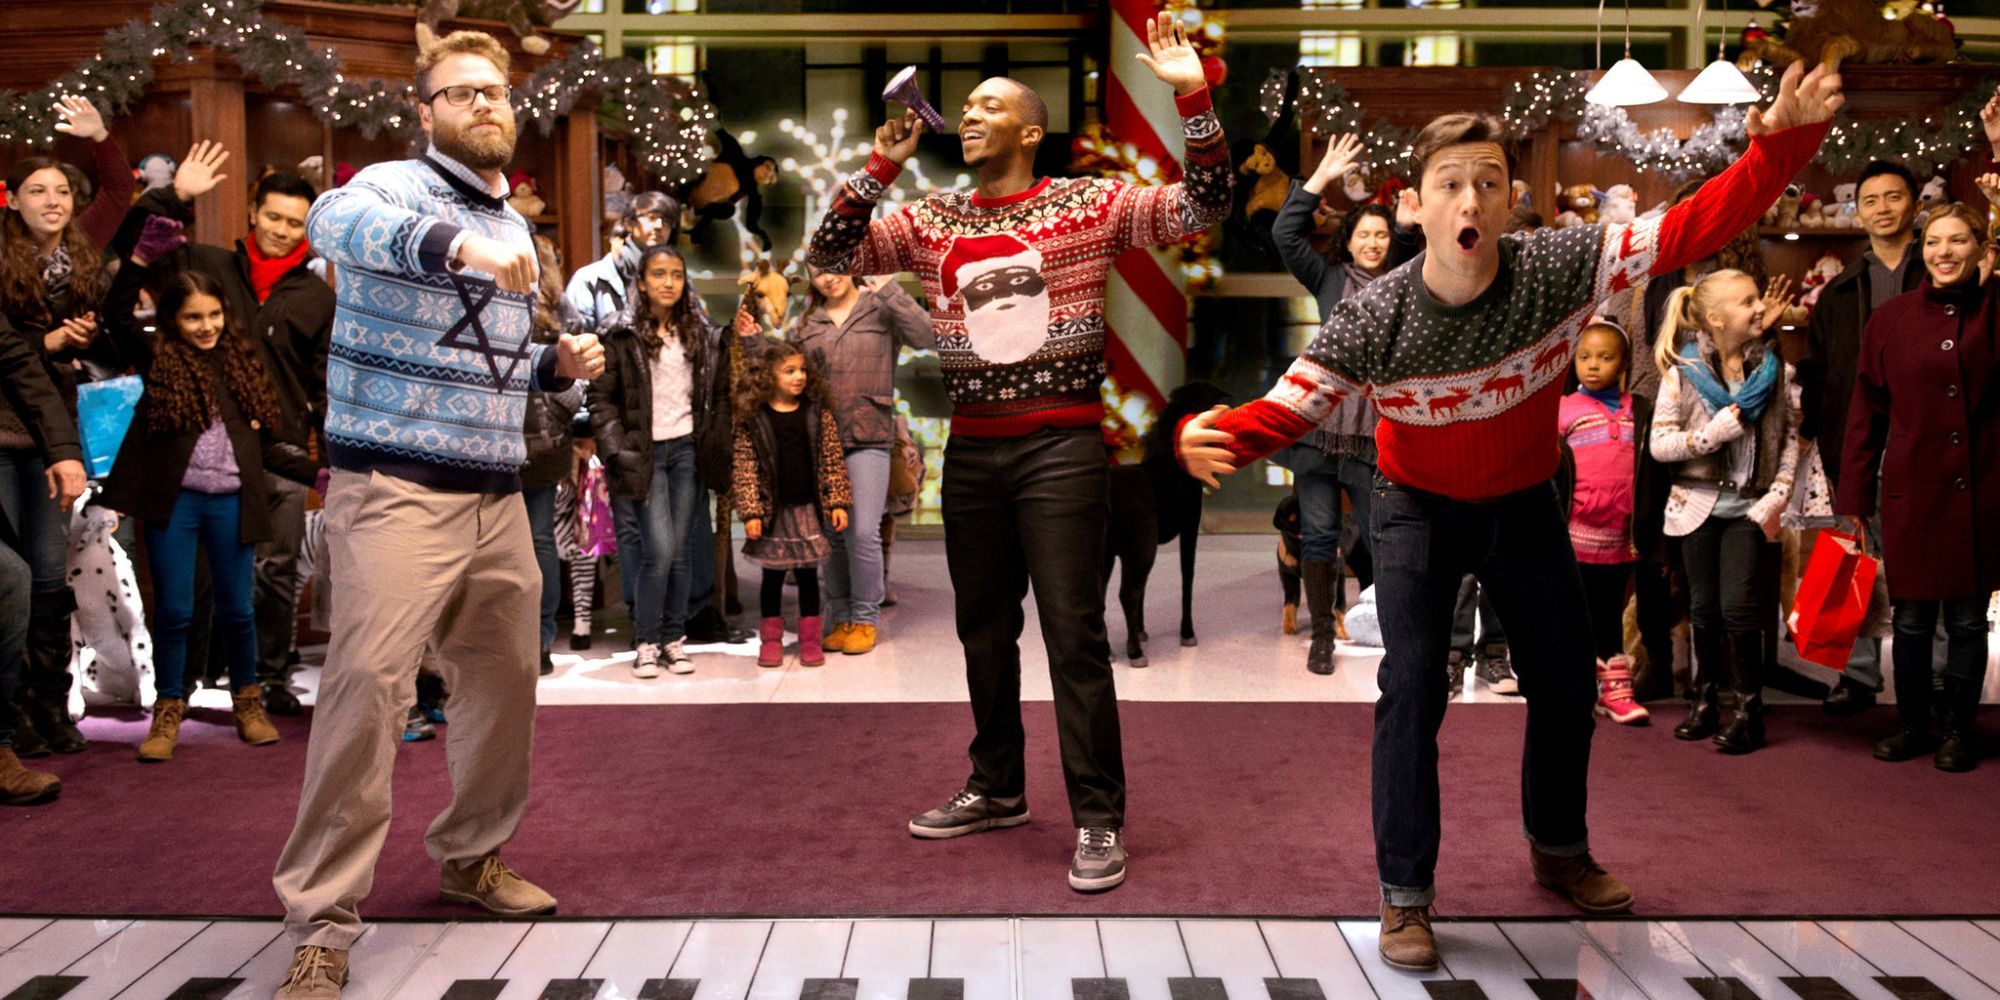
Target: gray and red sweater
[1015,285]
[1468,394]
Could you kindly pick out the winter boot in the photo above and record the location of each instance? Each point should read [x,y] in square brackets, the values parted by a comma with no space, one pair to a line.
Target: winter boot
[1914,736]
[165,732]
[1744,732]
[810,652]
[1614,693]
[46,698]
[770,642]
[1959,749]
[1319,575]
[252,725]
[28,741]
[1704,714]
[22,787]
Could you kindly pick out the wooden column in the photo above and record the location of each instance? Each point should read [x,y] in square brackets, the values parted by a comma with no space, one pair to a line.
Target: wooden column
[215,105]
[581,205]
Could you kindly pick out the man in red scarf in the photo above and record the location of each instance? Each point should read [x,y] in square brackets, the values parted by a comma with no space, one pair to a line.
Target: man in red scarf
[288,310]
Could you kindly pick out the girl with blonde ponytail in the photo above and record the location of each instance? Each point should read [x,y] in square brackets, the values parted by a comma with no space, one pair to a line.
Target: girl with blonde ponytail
[1727,424]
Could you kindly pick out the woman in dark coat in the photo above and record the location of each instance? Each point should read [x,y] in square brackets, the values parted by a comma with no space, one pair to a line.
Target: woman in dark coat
[1926,414]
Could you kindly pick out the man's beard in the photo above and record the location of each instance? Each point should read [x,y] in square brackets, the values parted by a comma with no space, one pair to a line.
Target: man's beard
[478,150]
[1006,335]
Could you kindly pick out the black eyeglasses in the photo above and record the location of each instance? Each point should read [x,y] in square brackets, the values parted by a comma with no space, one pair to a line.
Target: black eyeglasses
[461,95]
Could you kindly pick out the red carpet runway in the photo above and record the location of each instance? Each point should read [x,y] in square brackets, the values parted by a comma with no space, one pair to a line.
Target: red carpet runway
[1235,810]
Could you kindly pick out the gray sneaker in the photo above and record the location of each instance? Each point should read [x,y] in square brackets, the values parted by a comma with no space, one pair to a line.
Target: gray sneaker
[969,812]
[1100,859]
[1498,673]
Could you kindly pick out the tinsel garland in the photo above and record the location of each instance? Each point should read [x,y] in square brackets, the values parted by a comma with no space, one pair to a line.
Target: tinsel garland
[667,129]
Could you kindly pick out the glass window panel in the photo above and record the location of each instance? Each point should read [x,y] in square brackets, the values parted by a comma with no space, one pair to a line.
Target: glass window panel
[679,57]
[1433,50]
[1329,48]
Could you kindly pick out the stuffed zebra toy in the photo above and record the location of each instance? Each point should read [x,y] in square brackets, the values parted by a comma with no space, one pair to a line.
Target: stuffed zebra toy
[582,567]
[111,652]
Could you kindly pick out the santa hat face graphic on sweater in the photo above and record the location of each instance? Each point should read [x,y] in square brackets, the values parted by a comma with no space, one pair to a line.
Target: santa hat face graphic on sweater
[1006,300]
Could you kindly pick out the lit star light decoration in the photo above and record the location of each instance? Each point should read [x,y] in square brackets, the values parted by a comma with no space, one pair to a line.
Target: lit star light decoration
[667,128]
[822,159]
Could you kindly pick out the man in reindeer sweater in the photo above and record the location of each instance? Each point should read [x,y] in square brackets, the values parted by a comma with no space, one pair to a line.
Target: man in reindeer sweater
[1463,351]
[1015,275]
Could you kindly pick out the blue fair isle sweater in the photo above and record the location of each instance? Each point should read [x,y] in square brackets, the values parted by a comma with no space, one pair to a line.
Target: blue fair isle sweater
[428,375]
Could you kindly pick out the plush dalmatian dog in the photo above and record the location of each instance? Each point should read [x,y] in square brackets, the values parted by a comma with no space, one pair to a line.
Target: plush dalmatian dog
[111,653]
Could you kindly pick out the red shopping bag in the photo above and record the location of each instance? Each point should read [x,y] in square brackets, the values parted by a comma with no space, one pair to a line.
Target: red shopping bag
[1832,599]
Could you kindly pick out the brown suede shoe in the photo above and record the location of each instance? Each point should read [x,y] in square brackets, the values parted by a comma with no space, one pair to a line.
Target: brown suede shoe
[22,787]
[1407,942]
[252,725]
[1590,887]
[165,732]
[317,974]
[489,884]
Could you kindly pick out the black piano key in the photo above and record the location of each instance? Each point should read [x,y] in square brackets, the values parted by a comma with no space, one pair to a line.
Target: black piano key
[669,989]
[1196,988]
[937,989]
[1557,989]
[475,989]
[572,989]
[830,989]
[1913,988]
[206,988]
[1453,989]
[1294,989]
[1816,988]
[1099,989]
[1721,988]
[45,988]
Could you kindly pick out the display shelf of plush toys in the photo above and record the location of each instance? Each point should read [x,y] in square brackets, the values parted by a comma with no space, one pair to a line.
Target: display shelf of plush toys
[1808,233]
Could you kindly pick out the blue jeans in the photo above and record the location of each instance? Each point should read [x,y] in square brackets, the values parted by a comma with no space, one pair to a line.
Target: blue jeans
[1320,478]
[628,522]
[664,564]
[15,580]
[541,503]
[854,568]
[214,522]
[1518,546]
[1964,623]
[39,523]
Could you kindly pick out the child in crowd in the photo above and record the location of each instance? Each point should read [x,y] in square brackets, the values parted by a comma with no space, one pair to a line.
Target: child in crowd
[789,479]
[1601,424]
[192,470]
[1727,420]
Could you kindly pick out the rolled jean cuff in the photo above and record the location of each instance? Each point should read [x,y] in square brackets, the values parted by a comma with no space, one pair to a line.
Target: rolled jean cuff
[1575,850]
[1397,895]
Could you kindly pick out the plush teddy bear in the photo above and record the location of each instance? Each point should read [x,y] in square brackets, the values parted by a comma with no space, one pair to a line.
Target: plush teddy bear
[1859,31]
[1845,206]
[1267,191]
[1784,213]
[1811,214]
[1823,270]
[524,16]
[1579,204]
[1621,204]
[1933,193]
[525,199]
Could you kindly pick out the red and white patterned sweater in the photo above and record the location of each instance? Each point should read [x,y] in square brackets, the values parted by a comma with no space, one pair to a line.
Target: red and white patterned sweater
[1468,394]
[1015,285]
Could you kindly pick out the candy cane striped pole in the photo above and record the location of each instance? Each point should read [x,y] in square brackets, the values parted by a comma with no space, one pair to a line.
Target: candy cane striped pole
[1145,305]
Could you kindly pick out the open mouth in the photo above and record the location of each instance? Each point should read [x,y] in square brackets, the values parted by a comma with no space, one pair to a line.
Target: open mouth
[1468,238]
[973,136]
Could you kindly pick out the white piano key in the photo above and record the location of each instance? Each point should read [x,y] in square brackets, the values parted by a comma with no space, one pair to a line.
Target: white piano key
[1653,956]
[1364,937]
[14,929]
[799,950]
[1053,952]
[723,955]
[633,952]
[1479,953]
[980,952]
[1729,950]
[1560,951]
[1315,949]
[1968,947]
[1230,950]
[1814,951]
[463,951]
[216,953]
[1144,953]
[49,951]
[1989,926]
[556,949]
[884,955]
[379,961]
[115,964]
[1896,953]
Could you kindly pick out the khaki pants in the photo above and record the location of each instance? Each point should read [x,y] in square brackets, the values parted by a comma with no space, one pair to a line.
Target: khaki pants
[410,565]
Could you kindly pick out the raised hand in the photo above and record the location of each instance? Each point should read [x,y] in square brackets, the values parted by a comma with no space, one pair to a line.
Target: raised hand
[78,117]
[1989,186]
[512,267]
[1989,117]
[1803,99]
[159,237]
[199,172]
[579,355]
[1202,450]
[1340,156]
[1778,297]
[1171,58]
[896,139]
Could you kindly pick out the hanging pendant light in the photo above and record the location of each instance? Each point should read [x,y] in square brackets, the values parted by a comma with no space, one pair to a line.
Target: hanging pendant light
[1627,84]
[1720,82]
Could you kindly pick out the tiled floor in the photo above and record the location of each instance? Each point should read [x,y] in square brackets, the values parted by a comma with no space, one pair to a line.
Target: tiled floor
[1020,960]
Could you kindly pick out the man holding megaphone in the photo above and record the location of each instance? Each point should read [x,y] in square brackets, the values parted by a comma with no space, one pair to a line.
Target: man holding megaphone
[1014,273]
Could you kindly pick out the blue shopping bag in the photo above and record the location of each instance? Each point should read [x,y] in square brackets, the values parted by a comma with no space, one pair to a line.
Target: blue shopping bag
[103,414]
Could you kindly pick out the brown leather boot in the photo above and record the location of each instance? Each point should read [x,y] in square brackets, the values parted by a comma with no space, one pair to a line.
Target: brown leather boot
[1407,942]
[22,787]
[1582,881]
[165,732]
[252,725]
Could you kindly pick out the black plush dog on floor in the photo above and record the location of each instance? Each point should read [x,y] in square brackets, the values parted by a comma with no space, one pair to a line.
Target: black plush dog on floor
[1152,503]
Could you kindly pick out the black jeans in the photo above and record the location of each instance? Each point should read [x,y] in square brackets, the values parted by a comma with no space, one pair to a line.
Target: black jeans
[1728,559]
[1604,589]
[1964,622]
[1518,546]
[1033,508]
